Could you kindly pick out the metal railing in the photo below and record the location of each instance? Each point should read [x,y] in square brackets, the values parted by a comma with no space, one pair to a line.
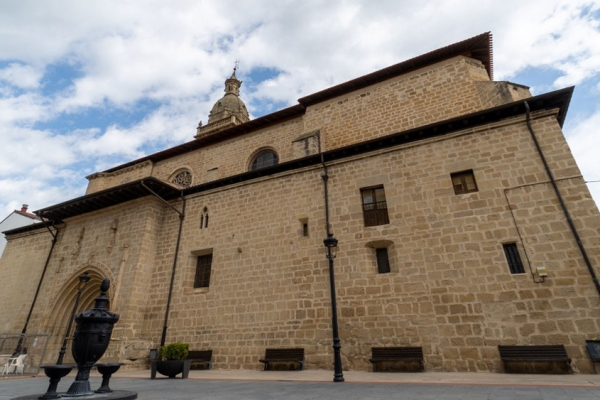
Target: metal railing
[376,213]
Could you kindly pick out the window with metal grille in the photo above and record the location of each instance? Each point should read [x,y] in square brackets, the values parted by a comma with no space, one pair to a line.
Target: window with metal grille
[374,206]
[464,182]
[513,258]
[264,159]
[203,265]
[383,261]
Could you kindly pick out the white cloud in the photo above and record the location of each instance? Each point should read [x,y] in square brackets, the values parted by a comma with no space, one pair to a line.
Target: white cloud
[21,76]
[584,141]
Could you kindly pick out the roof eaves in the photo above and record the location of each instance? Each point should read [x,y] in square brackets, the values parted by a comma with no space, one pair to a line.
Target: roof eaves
[24,229]
[109,197]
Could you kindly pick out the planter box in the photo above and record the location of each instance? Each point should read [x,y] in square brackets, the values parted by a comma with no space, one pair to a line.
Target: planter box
[171,368]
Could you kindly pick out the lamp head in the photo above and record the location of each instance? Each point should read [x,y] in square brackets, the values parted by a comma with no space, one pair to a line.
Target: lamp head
[330,242]
[85,278]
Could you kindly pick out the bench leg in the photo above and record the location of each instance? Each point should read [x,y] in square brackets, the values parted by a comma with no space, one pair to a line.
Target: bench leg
[153,370]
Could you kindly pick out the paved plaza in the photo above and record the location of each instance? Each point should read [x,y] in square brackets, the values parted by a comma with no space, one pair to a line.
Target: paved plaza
[237,385]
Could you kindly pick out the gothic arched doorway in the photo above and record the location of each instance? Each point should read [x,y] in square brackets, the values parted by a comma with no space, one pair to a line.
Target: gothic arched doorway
[62,310]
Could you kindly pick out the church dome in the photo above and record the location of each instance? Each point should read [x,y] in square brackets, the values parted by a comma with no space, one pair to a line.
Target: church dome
[230,104]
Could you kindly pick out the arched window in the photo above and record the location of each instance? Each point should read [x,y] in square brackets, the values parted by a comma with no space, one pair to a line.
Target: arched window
[264,159]
[182,178]
[204,218]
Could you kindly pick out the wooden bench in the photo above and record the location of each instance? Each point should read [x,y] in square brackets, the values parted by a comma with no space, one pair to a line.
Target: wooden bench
[200,358]
[382,354]
[542,353]
[593,349]
[283,355]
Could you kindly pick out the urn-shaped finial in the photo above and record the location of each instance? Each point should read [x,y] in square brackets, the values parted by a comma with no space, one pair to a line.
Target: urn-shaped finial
[91,339]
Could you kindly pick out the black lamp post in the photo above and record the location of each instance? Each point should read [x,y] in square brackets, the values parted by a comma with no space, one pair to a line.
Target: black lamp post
[83,280]
[331,243]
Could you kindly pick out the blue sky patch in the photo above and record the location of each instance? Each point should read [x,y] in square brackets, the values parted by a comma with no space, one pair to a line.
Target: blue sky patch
[100,117]
[58,77]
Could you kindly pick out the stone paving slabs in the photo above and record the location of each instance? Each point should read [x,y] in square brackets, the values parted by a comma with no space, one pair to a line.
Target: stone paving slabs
[192,389]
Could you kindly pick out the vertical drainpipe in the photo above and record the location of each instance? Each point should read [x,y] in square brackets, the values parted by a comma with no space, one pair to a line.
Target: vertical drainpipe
[181,218]
[39,285]
[562,202]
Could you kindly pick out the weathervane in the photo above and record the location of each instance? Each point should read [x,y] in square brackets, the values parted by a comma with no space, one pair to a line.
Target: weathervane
[236,65]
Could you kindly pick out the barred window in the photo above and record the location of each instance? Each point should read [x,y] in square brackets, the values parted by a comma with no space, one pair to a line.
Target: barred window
[374,206]
[264,159]
[464,182]
[512,257]
[203,266]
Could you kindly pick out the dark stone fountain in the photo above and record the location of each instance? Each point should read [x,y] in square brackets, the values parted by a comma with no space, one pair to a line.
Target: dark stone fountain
[90,341]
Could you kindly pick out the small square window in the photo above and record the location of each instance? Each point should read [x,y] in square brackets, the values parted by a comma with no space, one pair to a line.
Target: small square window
[512,257]
[203,266]
[383,261]
[374,206]
[464,182]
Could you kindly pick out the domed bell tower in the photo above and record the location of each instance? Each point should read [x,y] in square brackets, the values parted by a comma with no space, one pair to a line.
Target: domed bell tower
[228,111]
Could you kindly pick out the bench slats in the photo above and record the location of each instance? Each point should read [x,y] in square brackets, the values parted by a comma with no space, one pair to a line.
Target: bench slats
[283,355]
[381,354]
[541,353]
[200,357]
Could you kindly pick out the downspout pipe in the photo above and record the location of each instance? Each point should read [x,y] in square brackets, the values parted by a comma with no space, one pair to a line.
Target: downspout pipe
[560,199]
[181,218]
[39,285]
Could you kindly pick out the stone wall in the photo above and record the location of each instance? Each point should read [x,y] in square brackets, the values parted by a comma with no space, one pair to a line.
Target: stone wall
[105,180]
[450,289]
[21,263]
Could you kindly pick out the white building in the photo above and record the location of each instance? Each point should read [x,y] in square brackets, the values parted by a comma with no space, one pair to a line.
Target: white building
[16,219]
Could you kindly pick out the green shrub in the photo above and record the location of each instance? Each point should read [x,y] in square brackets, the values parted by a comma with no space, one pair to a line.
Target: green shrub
[174,351]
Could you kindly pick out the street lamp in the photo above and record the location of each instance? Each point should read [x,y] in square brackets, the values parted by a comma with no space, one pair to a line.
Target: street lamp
[83,280]
[331,243]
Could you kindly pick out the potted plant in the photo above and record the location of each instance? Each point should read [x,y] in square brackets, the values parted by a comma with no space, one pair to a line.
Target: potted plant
[171,360]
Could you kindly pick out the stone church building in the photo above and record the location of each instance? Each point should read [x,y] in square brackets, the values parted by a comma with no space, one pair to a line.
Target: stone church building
[462,218]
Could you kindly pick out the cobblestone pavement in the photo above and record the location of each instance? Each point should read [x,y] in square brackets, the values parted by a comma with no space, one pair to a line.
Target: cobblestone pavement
[239,385]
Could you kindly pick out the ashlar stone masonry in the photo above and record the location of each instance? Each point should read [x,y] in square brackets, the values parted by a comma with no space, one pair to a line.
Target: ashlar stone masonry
[237,253]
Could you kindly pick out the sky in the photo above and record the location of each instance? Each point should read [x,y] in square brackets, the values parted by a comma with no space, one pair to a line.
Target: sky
[86,86]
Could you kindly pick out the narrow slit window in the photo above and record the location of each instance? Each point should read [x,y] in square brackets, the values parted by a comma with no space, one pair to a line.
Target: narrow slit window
[305,229]
[513,258]
[204,218]
[383,260]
